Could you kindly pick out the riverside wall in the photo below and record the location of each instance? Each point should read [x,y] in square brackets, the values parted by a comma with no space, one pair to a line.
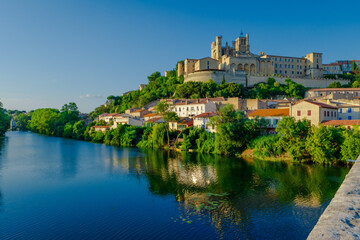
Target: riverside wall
[341,219]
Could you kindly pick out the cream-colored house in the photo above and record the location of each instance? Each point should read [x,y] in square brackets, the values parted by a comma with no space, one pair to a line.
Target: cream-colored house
[327,91]
[100,128]
[122,119]
[271,116]
[181,124]
[315,112]
[202,121]
[107,117]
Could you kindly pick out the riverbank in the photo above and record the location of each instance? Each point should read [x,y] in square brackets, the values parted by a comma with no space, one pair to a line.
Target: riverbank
[341,219]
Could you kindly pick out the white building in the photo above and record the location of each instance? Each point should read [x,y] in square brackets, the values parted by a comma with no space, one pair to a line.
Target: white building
[122,119]
[202,121]
[193,107]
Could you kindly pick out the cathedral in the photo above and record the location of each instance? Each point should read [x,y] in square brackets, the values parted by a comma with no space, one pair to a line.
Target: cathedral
[236,63]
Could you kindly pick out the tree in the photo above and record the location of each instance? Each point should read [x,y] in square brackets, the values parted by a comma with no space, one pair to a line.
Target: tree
[165,110]
[4,121]
[335,85]
[293,136]
[350,148]
[323,144]
[354,66]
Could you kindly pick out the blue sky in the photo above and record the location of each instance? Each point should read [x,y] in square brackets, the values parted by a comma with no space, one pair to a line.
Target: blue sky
[56,51]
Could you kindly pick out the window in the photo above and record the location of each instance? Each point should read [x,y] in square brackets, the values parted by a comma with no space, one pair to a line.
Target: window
[285,59]
[275,71]
[285,72]
[292,66]
[292,72]
[332,114]
[349,117]
[324,113]
[340,110]
[328,113]
[280,65]
[275,59]
[276,65]
[179,109]
[309,112]
[349,110]
[299,113]
[280,71]
[285,65]
[280,59]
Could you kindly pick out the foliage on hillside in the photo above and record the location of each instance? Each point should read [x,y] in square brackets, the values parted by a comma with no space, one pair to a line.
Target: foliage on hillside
[4,121]
[172,86]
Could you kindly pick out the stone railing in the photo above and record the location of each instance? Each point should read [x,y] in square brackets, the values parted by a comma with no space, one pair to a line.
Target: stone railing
[341,219]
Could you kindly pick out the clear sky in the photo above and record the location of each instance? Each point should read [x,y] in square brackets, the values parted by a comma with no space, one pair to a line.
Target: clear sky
[56,51]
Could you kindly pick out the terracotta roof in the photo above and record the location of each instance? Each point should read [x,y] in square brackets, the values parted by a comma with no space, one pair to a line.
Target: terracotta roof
[150,114]
[153,119]
[333,89]
[269,112]
[100,126]
[109,114]
[206,115]
[341,122]
[323,105]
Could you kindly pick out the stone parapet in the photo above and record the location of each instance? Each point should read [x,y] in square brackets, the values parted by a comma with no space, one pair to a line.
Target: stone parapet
[341,219]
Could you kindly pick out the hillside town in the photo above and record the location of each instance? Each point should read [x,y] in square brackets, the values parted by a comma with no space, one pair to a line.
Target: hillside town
[326,106]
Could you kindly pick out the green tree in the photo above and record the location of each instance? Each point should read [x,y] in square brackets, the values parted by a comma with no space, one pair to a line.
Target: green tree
[350,148]
[293,135]
[4,121]
[323,144]
[335,85]
[165,110]
[354,66]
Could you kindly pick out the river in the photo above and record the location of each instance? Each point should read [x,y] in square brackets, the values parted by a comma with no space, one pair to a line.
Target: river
[55,188]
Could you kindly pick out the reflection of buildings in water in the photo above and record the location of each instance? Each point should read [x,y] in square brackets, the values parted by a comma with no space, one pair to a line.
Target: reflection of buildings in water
[193,175]
[311,201]
[125,161]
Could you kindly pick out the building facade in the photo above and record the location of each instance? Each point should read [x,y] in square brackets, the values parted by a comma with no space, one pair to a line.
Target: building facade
[238,60]
[315,112]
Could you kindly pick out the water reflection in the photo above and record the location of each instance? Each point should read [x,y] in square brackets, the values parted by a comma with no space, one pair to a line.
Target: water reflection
[232,192]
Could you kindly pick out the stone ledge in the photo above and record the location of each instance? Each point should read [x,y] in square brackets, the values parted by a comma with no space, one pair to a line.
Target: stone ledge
[341,219]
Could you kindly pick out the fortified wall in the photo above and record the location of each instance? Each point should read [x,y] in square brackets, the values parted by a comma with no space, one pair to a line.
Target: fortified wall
[306,82]
[217,76]
[249,81]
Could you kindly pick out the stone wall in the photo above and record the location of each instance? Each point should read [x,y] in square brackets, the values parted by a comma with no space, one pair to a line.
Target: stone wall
[306,82]
[217,76]
[341,219]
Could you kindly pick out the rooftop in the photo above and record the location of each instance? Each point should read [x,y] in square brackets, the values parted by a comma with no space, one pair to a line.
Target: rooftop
[333,89]
[269,112]
[206,115]
[341,122]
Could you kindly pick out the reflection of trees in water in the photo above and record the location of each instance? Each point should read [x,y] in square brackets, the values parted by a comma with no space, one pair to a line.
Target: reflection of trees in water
[2,148]
[229,191]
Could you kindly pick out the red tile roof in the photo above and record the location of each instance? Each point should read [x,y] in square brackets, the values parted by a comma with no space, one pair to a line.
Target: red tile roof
[333,89]
[341,122]
[323,105]
[206,115]
[153,120]
[269,112]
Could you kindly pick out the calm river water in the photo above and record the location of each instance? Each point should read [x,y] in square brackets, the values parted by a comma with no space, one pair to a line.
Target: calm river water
[54,188]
